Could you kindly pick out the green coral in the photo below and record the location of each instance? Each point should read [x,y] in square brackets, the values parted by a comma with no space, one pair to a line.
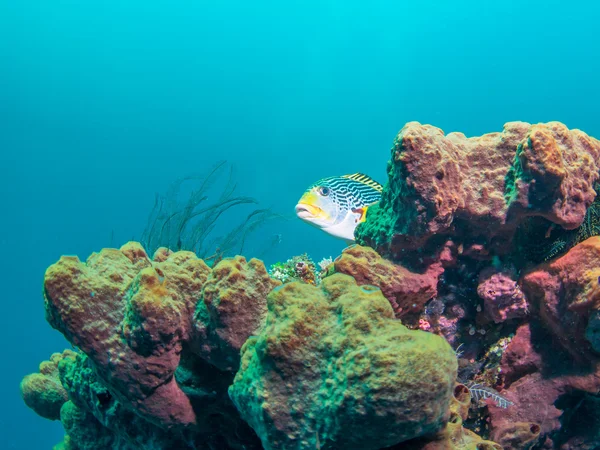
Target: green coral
[84,432]
[395,213]
[96,417]
[43,391]
[332,365]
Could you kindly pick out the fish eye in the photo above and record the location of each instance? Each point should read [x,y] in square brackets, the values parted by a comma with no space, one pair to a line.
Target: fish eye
[324,191]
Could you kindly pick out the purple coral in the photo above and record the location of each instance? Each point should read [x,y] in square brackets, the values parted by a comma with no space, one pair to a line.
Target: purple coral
[503,298]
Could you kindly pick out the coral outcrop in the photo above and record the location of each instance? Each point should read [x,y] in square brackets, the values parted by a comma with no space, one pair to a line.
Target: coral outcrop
[566,295]
[233,307]
[540,385]
[333,366]
[406,291]
[498,205]
[478,190]
[159,346]
[134,321]
[502,296]
[43,391]
[130,317]
[540,378]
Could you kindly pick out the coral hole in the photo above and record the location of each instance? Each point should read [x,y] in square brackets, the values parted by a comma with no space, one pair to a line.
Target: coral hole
[535,428]
[104,398]
[461,393]
[454,418]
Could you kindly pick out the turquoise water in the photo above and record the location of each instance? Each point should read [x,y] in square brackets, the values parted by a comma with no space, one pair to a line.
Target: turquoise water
[104,103]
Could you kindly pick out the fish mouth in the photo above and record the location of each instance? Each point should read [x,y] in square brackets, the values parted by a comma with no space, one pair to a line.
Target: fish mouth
[306,211]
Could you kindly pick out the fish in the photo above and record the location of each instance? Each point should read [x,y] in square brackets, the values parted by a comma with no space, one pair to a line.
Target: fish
[338,204]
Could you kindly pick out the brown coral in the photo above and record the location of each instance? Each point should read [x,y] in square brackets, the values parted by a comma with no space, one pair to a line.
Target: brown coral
[479,189]
[130,316]
[406,291]
[502,296]
[518,435]
[43,391]
[534,382]
[564,292]
[233,307]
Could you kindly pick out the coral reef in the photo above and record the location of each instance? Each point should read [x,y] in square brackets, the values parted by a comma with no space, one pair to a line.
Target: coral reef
[406,291]
[333,357]
[133,320]
[565,293]
[488,242]
[564,297]
[502,296]
[533,391]
[159,346]
[233,307]
[487,210]
[478,190]
[129,316]
[43,391]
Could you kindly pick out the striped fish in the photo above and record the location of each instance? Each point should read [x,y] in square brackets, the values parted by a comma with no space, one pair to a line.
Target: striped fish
[338,204]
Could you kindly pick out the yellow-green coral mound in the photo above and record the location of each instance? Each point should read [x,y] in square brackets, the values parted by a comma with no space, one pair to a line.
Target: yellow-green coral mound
[332,368]
[43,391]
[232,307]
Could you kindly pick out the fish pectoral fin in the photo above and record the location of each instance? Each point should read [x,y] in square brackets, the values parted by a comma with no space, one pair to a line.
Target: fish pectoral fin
[362,212]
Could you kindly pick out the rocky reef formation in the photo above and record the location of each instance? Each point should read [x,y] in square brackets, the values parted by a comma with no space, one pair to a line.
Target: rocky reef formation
[43,391]
[479,190]
[488,242]
[406,291]
[232,308]
[137,323]
[330,362]
[174,354]
[564,297]
[117,309]
[489,211]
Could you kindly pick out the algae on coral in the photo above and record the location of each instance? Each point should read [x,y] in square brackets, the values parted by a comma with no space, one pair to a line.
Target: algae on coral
[332,357]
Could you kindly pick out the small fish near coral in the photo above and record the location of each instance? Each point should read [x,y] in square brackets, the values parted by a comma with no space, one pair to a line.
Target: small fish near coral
[338,204]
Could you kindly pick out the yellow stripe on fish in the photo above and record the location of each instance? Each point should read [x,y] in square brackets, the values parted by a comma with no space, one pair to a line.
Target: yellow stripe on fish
[338,204]
[365,179]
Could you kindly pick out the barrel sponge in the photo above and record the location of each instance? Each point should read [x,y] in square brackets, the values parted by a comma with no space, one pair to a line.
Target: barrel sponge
[332,364]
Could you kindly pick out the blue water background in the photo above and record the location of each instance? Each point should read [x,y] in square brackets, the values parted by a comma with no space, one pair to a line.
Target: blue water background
[104,103]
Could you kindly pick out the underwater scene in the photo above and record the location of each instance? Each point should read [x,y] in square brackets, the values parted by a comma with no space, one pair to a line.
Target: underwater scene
[330,225]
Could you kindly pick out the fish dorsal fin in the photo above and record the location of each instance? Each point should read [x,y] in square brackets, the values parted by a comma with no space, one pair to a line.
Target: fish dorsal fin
[364,179]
